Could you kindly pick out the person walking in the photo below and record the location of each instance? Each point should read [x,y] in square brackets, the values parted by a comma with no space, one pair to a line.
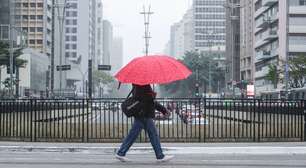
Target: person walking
[144,120]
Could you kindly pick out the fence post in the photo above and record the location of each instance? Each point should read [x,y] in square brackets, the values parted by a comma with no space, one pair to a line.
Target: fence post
[304,111]
[83,120]
[259,121]
[200,116]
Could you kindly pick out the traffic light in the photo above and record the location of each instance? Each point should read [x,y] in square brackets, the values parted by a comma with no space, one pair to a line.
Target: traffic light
[197,94]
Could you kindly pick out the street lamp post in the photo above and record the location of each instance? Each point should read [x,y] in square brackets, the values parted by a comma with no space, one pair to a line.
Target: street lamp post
[61,20]
[287,48]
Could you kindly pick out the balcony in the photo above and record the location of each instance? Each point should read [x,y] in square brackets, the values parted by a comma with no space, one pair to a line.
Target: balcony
[271,35]
[266,21]
[264,71]
[269,2]
[262,55]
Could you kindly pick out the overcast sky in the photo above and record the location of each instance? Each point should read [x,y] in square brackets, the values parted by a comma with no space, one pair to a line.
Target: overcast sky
[129,23]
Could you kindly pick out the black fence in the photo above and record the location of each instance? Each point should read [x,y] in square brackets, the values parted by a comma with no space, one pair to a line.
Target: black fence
[191,120]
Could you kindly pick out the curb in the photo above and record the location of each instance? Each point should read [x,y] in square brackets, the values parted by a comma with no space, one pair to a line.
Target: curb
[255,150]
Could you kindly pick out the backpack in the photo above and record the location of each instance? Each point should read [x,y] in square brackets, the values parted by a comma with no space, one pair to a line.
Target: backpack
[130,106]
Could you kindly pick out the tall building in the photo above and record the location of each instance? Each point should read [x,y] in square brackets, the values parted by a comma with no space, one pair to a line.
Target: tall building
[209,24]
[232,76]
[116,60]
[28,24]
[99,33]
[108,42]
[4,20]
[247,67]
[35,19]
[274,44]
[181,39]
[81,41]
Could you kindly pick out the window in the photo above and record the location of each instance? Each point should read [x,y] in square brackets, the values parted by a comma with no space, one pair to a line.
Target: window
[74,54]
[40,17]
[74,22]
[67,38]
[33,5]
[32,29]
[74,38]
[74,30]
[67,46]
[25,17]
[39,41]
[25,29]
[40,5]
[74,46]
[40,29]
[74,13]
[32,17]
[25,5]
[303,2]
[32,41]
[73,5]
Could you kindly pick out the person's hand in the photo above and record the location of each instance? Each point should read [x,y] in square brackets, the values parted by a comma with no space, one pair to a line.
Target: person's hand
[167,114]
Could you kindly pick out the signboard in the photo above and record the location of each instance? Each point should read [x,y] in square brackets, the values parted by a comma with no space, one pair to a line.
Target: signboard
[104,67]
[250,90]
[63,67]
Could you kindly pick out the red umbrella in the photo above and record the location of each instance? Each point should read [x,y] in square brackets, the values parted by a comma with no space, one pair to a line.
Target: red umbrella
[153,69]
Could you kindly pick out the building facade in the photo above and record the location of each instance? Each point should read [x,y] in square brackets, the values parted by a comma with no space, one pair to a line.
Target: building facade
[117,55]
[247,67]
[108,42]
[35,19]
[181,39]
[209,24]
[274,43]
[82,21]
[232,55]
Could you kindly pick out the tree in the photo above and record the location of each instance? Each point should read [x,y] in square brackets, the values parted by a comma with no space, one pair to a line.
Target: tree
[101,79]
[17,62]
[198,81]
[273,75]
[297,71]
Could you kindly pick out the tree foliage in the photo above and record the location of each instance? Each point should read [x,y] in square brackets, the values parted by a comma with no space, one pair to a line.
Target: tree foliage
[297,73]
[100,77]
[5,56]
[199,64]
[273,75]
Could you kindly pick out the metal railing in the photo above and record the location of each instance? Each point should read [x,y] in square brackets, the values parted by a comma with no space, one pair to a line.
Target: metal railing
[191,120]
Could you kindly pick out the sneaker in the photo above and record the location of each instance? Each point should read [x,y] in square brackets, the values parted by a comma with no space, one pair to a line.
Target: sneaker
[122,158]
[166,158]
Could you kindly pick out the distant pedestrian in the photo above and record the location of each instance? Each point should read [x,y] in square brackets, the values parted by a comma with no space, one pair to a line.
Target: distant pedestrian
[144,120]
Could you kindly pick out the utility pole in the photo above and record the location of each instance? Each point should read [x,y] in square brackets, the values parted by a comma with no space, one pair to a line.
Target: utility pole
[147,36]
[52,50]
[287,48]
[90,78]
[11,26]
[61,20]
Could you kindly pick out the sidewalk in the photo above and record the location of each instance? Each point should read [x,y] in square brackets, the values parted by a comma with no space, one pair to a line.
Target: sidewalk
[289,148]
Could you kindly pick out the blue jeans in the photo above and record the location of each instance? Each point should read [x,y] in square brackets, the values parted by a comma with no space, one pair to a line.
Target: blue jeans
[139,124]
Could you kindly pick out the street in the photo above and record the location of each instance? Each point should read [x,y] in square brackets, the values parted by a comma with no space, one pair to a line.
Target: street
[98,160]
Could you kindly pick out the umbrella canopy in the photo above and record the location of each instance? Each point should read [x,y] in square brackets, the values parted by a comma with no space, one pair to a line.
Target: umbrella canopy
[153,69]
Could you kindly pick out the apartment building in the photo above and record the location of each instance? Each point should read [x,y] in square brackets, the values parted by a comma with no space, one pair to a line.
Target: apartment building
[35,19]
[274,43]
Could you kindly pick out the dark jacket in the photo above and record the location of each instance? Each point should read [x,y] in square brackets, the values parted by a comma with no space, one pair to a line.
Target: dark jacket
[146,96]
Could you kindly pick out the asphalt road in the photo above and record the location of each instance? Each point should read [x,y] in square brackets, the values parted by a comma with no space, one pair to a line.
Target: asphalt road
[91,160]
